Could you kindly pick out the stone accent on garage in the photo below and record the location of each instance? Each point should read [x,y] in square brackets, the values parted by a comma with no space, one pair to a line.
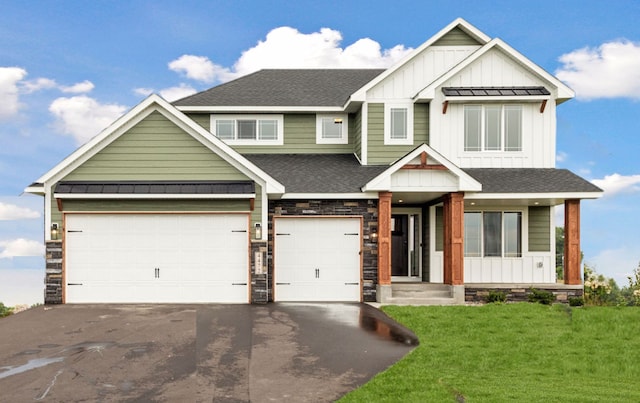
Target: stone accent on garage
[367,209]
[260,276]
[477,293]
[53,273]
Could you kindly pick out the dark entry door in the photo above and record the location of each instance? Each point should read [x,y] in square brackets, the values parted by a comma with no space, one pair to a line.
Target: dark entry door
[399,244]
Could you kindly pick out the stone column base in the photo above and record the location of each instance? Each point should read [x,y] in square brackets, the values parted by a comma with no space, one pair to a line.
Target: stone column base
[383,293]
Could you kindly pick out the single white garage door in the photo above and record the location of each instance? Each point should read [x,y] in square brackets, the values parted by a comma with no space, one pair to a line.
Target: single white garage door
[317,259]
[184,258]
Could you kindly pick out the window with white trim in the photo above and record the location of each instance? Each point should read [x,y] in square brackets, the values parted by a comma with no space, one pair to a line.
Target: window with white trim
[332,129]
[493,128]
[493,234]
[248,129]
[398,123]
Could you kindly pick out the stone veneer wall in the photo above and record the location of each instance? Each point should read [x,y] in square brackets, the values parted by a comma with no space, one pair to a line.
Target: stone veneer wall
[53,273]
[368,209]
[521,294]
[260,278]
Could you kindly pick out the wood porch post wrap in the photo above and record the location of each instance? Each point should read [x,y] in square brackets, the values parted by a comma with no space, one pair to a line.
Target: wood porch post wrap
[384,238]
[572,242]
[453,212]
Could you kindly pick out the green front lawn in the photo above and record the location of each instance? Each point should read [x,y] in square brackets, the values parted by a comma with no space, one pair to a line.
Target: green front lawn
[513,353]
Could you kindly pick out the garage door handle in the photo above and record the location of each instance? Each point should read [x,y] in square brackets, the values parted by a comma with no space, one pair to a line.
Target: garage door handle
[74,283]
[351,233]
[282,233]
[238,283]
[72,230]
[283,283]
[239,230]
[351,283]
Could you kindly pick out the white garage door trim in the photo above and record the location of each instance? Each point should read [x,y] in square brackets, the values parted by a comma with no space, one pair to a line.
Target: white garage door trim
[156,258]
[318,258]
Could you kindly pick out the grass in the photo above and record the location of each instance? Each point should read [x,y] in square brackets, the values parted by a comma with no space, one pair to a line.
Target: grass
[513,352]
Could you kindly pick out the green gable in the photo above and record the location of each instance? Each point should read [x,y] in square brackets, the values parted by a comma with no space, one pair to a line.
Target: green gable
[456,37]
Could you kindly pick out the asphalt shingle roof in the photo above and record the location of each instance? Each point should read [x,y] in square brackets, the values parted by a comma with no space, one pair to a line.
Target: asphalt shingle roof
[317,173]
[530,180]
[155,187]
[285,87]
[493,91]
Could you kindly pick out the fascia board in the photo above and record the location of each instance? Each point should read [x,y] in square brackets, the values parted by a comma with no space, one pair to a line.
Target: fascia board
[36,190]
[259,109]
[361,94]
[330,196]
[515,196]
[146,196]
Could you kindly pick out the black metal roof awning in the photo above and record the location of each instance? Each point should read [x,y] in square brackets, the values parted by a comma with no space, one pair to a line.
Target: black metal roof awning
[495,91]
[141,189]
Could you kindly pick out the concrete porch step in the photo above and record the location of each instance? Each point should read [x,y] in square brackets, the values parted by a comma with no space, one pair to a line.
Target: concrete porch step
[421,294]
[420,301]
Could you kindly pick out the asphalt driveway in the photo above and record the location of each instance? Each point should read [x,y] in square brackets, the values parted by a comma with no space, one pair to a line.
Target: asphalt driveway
[195,353]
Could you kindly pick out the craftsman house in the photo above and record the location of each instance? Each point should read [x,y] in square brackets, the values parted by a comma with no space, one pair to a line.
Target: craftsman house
[429,182]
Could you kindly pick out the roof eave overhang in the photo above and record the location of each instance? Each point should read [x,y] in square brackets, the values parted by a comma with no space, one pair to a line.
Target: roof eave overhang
[149,196]
[259,109]
[540,196]
[331,196]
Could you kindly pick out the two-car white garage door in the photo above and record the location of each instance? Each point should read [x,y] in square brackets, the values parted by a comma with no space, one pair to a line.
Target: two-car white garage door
[203,258]
[156,258]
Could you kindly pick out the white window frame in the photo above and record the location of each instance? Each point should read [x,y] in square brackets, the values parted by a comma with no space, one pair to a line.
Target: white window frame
[388,107]
[279,140]
[483,128]
[343,118]
[503,235]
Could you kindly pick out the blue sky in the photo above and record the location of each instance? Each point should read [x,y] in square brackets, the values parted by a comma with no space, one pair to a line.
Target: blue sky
[68,68]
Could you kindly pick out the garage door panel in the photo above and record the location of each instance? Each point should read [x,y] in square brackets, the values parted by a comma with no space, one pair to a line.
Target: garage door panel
[197,256]
[317,259]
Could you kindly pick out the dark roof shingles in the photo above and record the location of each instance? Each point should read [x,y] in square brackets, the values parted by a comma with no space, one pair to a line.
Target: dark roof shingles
[284,87]
[317,173]
[530,180]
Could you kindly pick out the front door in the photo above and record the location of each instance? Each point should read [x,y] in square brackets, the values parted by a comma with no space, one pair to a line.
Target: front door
[406,246]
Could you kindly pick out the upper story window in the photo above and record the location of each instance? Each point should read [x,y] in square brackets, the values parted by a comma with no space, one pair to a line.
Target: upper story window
[493,127]
[248,129]
[332,129]
[398,123]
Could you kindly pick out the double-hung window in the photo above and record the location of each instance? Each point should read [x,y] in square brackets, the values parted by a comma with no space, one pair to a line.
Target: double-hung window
[332,129]
[248,129]
[493,128]
[398,124]
[493,234]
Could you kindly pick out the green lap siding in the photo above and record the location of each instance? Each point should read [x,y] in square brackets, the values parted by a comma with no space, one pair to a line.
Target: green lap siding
[381,154]
[155,149]
[456,37]
[539,229]
[203,119]
[357,133]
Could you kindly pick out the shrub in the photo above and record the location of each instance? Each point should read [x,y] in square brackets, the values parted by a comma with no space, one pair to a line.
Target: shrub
[5,310]
[496,296]
[542,297]
[576,301]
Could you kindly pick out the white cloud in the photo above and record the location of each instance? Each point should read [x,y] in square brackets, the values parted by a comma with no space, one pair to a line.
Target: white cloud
[286,47]
[9,100]
[38,84]
[198,68]
[618,184]
[13,212]
[20,247]
[175,93]
[145,92]
[561,156]
[78,88]
[611,70]
[83,117]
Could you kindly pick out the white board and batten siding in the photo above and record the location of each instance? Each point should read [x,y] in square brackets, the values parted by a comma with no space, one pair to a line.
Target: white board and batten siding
[495,69]
[156,258]
[317,259]
[419,72]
